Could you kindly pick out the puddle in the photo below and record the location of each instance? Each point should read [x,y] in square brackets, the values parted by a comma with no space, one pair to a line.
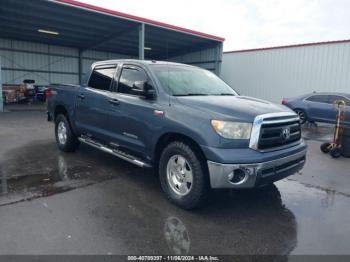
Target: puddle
[40,169]
[319,132]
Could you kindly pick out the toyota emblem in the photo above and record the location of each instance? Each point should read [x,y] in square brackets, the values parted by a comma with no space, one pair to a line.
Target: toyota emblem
[286,133]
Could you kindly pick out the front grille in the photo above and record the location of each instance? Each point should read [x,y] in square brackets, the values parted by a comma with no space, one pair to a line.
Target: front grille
[276,173]
[276,134]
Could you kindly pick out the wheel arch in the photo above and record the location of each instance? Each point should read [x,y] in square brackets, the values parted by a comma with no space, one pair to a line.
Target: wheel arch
[307,118]
[169,137]
[60,109]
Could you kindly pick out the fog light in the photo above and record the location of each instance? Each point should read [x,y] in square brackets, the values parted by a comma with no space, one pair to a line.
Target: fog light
[237,176]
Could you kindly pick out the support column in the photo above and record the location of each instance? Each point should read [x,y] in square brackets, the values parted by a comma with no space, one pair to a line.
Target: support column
[3,184]
[1,100]
[142,41]
[80,66]
[218,58]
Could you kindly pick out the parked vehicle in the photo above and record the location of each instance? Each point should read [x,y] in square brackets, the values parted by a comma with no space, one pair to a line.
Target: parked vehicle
[318,107]
[40,93]
[182,120]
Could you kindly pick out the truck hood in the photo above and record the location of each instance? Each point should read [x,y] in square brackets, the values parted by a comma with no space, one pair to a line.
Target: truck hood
[241,108]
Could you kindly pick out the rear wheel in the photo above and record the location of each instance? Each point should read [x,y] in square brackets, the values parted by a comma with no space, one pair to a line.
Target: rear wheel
[183,175]
[302,115]
[65,139]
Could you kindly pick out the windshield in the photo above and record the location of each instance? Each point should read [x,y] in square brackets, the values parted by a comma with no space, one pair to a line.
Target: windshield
[186,81]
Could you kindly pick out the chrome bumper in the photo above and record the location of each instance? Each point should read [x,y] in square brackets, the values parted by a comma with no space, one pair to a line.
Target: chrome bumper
[255,174]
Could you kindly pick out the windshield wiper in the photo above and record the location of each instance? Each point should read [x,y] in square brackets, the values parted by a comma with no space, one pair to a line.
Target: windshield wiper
[192,94]
[226,94]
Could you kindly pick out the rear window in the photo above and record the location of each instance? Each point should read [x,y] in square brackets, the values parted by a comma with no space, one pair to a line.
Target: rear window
[101,77]
[333,98]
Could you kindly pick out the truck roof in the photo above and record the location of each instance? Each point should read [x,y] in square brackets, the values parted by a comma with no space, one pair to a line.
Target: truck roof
[145,62]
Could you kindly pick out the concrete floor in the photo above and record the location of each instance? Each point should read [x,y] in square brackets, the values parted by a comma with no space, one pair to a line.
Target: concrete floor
[92,203]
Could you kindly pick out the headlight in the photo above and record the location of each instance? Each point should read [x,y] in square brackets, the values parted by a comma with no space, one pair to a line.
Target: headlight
[232,130]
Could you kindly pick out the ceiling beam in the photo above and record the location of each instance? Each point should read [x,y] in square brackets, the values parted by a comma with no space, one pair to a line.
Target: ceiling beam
[14,23]
[183,51]
[109,38]
[51,16]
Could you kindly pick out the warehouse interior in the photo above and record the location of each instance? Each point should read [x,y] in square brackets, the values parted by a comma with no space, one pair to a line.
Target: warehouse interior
[44,42]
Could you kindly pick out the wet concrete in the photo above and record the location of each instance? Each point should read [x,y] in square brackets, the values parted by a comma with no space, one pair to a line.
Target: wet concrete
[318,132]
[89,202]
[39,169]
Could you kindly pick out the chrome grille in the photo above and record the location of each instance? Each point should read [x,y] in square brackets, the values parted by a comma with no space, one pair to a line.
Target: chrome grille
[279,134]
[275,130]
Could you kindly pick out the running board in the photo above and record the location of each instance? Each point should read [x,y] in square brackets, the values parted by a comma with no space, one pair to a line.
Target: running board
[114,152]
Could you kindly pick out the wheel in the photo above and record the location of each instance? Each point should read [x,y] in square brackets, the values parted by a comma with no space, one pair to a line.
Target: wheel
[183,175]
[325,147]
[302,115]
[65,139]
[335,152]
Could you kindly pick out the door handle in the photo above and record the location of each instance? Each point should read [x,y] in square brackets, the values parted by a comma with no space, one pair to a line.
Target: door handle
[114,101]
[81,96]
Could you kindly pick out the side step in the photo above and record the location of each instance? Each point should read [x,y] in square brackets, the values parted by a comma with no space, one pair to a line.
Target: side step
[117,153]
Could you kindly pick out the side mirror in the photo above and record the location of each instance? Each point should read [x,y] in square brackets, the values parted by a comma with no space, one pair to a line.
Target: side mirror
[143,88]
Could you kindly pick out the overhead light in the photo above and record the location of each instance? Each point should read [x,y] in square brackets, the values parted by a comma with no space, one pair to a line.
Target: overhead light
[148,48]
[48,32]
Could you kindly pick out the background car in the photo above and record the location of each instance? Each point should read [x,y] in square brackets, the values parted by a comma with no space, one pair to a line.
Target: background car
[318,107]
[40,93]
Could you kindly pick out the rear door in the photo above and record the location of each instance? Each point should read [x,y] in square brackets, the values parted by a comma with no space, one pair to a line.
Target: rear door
[332,99]
[93,105]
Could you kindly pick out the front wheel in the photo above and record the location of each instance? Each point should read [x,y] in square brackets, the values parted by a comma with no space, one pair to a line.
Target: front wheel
[65,139]
[183,175]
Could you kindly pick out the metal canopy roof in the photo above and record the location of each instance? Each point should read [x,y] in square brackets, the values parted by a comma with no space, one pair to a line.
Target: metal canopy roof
[89,27]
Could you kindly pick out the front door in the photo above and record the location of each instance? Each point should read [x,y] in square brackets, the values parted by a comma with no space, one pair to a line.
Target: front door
[132,119]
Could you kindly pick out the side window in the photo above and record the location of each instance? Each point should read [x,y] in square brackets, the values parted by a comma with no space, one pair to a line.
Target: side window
[101,78]
[318,98]
[333,98]
[128,77]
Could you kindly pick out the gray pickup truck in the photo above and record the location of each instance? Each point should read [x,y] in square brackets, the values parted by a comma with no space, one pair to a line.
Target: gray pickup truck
[184,121]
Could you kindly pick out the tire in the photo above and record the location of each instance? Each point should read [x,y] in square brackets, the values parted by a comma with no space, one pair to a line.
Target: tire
[325,147]
[336,152]
[177,161]
[302,115]
[65,139]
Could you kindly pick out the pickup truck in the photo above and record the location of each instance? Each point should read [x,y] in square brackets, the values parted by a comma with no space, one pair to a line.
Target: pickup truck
[194,130]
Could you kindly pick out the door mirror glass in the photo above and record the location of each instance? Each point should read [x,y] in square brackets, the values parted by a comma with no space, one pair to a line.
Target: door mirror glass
[139,87]
[134,81]
[143,88]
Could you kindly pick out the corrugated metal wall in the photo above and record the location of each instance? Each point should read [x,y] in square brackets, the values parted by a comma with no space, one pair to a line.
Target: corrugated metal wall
[91,56]
[209,59]
[45,63]
[287,72]
[57,64]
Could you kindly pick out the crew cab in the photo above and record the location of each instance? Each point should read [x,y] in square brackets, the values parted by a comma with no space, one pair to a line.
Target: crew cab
[184,121]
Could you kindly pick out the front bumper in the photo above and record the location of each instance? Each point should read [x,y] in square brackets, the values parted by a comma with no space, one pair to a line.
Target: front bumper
[255,174]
